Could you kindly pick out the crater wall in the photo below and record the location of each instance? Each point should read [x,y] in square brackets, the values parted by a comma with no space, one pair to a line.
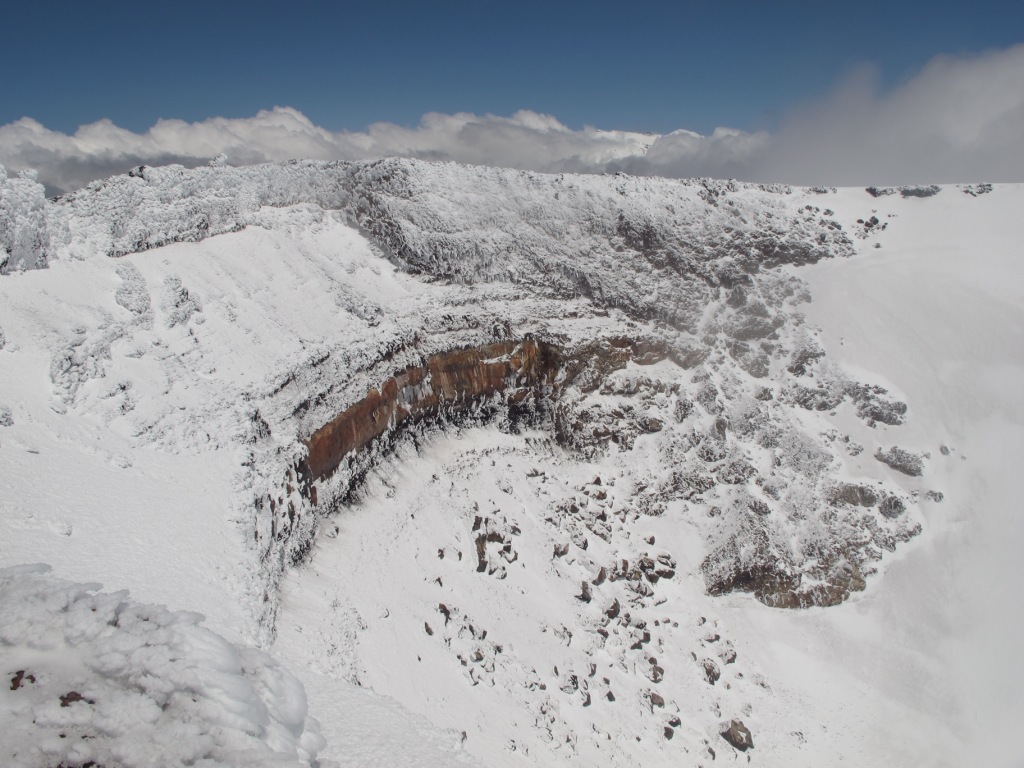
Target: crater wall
[447,382]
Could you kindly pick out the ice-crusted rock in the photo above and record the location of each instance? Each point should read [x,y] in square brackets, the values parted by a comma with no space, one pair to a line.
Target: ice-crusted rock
[892,506]
[6,417]
[975,189]
[99,679]
[902,460]
[178,303]
[857,495]
[24,233]
[920,191]
[77,361]
[905,191]
[873,405]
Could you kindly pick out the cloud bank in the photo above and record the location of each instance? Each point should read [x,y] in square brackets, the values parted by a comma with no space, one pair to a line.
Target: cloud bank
[960,119]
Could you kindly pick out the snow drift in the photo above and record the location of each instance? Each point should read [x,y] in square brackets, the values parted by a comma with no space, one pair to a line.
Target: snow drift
[96,678]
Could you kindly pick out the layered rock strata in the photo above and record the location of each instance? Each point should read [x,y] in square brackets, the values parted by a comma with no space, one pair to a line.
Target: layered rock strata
[447,382]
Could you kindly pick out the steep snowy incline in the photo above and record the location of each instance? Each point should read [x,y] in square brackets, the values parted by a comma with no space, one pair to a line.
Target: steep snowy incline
[127,393]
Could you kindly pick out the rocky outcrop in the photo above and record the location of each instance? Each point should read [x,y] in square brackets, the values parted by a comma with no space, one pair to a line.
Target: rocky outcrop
[902,460]
[524,376]
[906,191]
[446,383]
[737,734]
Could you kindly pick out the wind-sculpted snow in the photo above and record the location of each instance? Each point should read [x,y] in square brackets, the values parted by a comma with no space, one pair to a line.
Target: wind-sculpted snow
[24,230]
[95,678]
[150,207]
[654,247]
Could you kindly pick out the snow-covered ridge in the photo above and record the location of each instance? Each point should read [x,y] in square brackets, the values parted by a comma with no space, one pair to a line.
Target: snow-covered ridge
[650,246]
[149,207]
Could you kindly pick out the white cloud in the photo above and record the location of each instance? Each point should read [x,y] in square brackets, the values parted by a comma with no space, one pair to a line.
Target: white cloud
[959,119]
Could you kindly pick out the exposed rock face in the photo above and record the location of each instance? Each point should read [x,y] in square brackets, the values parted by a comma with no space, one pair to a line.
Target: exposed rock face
[448,382]
[902,460]
[855,495]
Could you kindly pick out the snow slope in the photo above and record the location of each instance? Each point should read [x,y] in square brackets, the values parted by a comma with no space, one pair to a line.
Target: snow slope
[581,585]
[949,614]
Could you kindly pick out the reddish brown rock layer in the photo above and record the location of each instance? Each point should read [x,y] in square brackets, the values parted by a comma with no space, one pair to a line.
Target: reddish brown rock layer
[453,381]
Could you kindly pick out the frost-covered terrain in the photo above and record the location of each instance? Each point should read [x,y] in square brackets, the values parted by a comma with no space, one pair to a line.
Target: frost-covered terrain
[102,680]
[521,469]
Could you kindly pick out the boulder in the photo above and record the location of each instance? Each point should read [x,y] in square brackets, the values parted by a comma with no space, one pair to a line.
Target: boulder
[737,734]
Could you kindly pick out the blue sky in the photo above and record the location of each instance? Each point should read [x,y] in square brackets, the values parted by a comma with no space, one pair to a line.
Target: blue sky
[647,66]
[794,92]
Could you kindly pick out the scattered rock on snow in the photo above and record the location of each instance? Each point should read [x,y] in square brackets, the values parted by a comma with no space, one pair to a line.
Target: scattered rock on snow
[854,495]
[737,734]
[902,460]
[711,671]
[892,507]
[72,697]
[923,191]
[21,678]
